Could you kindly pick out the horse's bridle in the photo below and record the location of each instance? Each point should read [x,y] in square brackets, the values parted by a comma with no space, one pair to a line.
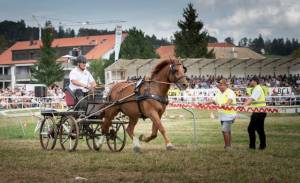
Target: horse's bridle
[172,72]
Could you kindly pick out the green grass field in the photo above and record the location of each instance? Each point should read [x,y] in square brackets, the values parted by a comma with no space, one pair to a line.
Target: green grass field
[195,160]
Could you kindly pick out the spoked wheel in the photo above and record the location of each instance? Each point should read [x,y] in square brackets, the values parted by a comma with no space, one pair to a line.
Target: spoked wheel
[96,139]
[116,138]
[48,133]
[69,133]
[89,138]
[93,134]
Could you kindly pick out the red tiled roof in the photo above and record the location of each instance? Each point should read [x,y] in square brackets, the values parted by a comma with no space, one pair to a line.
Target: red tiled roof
[169,51]
[165,52]
[217,45]
[103,43]
[221,50]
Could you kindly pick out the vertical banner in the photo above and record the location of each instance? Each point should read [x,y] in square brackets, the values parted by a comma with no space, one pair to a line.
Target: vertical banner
[118,40]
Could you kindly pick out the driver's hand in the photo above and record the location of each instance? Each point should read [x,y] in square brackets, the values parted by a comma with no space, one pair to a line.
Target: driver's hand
[90,87]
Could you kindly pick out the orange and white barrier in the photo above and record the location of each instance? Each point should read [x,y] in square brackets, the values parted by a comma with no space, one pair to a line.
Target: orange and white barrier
[267,109]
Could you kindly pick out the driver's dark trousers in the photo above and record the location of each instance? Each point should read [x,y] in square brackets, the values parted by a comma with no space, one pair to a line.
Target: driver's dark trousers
[257,124]
[79,94]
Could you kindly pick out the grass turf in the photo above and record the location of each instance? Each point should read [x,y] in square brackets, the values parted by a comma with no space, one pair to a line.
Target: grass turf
[22,159]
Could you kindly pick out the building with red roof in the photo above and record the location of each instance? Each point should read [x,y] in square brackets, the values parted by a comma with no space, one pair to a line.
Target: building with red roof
[16,61]
[221,51]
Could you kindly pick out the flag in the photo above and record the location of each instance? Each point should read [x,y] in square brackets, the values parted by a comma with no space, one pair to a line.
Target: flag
[118,40]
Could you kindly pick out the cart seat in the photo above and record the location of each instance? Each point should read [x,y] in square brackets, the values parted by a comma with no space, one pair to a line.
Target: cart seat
[70,98]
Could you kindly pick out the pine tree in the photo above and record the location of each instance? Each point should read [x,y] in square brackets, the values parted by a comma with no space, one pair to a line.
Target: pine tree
[61,32]
[190,41]
[258,44]
[136,45]
[47,70]
[229,40]
[243,42]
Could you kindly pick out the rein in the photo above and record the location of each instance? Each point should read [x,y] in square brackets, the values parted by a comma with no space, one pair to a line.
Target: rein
[146,80]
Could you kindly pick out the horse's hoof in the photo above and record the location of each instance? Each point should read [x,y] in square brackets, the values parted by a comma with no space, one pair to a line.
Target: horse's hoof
[98,147]
[141,137]
[170,147]
[137,149]
[99,143]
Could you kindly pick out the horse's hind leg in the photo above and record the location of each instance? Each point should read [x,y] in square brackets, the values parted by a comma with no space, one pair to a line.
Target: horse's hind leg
[155,118]
[130,131]
[150,137]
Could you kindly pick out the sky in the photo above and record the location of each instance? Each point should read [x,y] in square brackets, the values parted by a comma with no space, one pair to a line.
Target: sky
[222,18]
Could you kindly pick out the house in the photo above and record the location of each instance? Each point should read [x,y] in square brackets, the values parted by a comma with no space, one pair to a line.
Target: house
[16,61]
[221,50]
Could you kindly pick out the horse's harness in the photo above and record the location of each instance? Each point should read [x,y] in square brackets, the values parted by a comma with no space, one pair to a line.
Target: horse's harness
[147,94]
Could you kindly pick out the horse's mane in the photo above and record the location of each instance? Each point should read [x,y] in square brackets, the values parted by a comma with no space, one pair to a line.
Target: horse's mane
[160,66]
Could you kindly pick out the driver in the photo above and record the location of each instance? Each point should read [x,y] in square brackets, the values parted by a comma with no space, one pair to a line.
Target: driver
[81,80]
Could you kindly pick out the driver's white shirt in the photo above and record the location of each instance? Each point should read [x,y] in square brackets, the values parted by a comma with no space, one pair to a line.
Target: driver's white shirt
[84,77]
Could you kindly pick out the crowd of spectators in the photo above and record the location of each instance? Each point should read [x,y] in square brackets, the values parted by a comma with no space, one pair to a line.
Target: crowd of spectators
[209,81]
[20,97]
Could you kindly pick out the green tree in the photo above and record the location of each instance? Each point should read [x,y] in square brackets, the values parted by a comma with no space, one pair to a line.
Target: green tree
[157,42]
[191,41]
[96,67]
[47,70]
[61,32]
[243,42]
[296,53]
[3,44]
[229,40]
[212,39]
[258,44]
[136,45]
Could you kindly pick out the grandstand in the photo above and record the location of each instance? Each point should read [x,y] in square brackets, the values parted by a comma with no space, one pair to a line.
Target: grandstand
[239,67]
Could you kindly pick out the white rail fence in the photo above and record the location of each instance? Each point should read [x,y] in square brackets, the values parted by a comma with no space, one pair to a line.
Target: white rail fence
[25,102]
[21,102]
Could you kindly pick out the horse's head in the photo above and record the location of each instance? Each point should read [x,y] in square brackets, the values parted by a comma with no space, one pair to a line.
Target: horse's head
[177,75]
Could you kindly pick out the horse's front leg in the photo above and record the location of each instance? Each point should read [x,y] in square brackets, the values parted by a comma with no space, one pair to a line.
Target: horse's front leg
[104,131]
[130,131]
[108,117]
[154,116]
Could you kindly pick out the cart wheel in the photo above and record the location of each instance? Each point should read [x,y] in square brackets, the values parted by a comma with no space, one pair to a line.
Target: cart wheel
[97,135]
[116,139]
[89,141]
[48,133]
[93,134]
[69,134]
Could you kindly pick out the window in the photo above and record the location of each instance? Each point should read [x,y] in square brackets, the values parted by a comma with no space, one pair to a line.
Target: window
[122,74]
[6,70]
[20,56]
[31,55]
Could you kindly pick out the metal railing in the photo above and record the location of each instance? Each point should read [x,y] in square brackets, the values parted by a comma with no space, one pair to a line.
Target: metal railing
[23,102]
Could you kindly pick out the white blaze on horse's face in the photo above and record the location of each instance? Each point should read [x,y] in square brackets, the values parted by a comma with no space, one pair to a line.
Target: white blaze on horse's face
[178,77]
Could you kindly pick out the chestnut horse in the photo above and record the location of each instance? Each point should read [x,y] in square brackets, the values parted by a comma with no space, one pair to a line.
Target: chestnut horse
[152,101]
